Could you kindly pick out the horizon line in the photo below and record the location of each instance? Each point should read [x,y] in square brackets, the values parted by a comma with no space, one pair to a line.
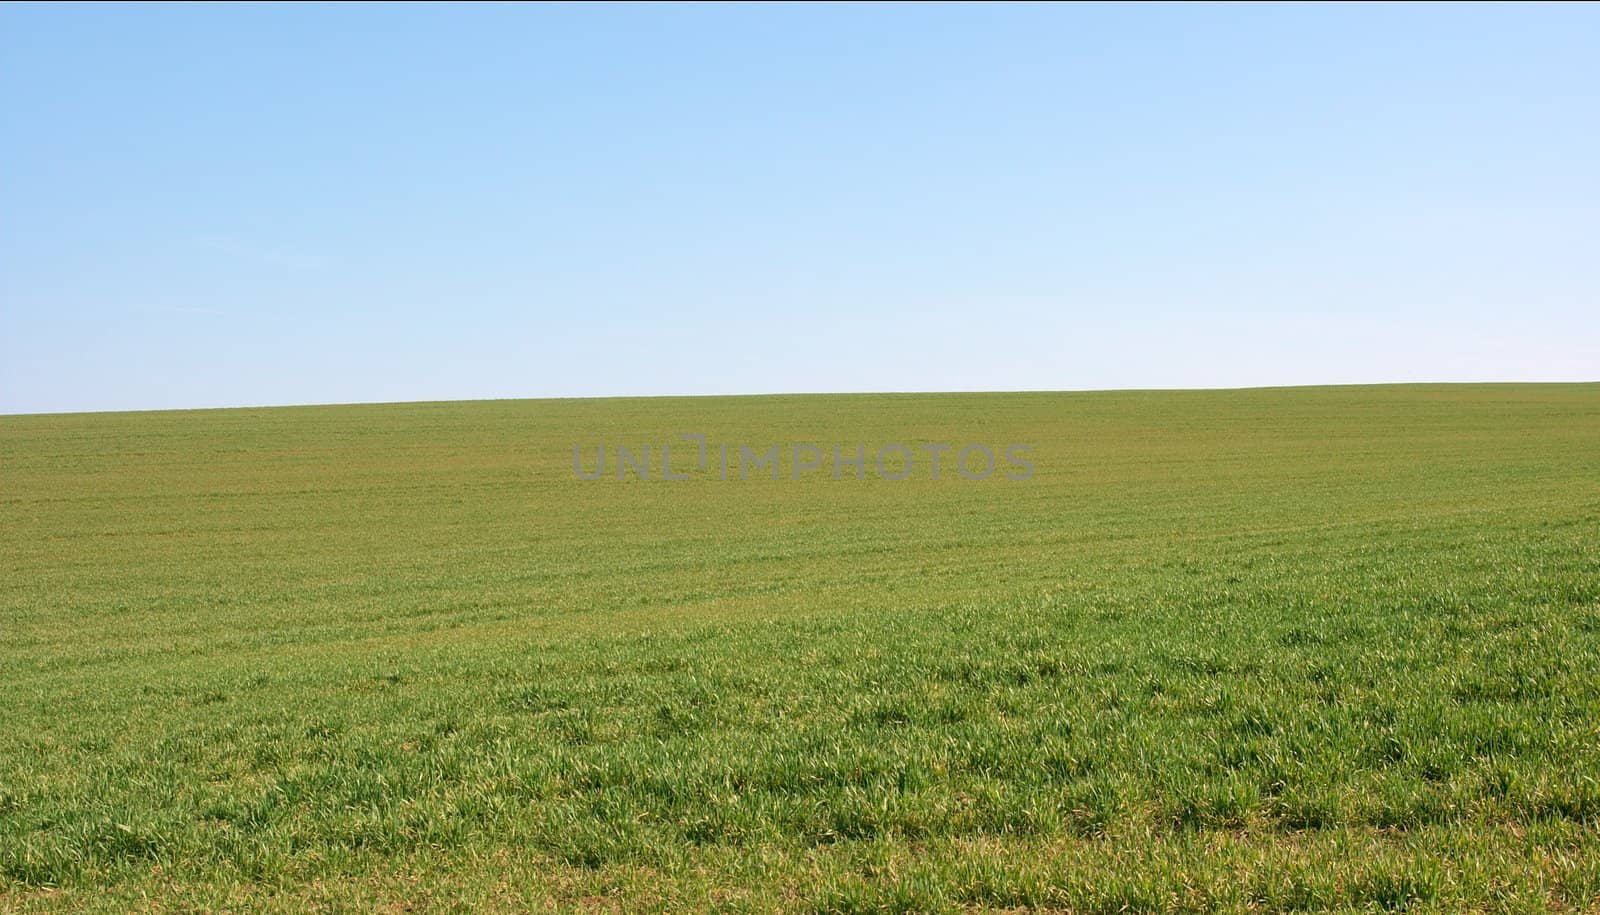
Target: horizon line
[902,393]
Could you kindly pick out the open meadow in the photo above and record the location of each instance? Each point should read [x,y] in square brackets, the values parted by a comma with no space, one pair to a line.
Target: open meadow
[1253,650]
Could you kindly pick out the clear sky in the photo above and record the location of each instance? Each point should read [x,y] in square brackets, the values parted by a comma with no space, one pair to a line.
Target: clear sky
[216,205]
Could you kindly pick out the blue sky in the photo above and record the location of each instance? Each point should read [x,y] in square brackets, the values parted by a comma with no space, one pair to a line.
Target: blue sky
[211,206]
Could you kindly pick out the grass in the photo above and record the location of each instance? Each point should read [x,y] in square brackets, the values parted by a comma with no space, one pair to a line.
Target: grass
[1265,650]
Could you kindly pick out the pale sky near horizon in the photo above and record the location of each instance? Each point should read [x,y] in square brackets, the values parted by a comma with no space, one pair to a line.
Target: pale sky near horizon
[219,206]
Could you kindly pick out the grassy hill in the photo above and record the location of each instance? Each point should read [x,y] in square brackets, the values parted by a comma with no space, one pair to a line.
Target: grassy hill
[1227,650]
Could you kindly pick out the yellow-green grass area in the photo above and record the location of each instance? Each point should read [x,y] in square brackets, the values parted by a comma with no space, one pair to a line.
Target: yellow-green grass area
[1258,650]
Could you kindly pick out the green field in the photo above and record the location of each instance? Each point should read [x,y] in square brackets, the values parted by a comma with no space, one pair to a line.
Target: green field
[1289,649]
